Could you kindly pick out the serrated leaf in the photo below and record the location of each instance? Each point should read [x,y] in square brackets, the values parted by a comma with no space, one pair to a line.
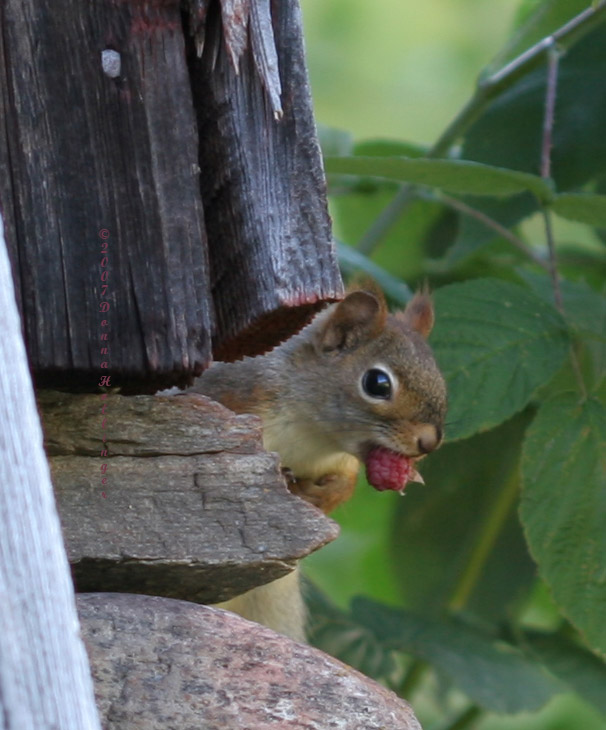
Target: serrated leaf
[563,508]
[590,209]
[572,664]
[336,633]
[458,176]
[585,313]
[493,674]
[496,343]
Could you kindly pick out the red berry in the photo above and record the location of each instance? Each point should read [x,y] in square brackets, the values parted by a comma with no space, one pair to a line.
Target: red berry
[386,469]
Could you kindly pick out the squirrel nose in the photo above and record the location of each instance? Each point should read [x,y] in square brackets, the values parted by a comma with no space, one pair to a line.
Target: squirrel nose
[428,437]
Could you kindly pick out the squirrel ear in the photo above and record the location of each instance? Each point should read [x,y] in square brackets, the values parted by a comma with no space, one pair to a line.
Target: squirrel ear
[359,317]
[418,315]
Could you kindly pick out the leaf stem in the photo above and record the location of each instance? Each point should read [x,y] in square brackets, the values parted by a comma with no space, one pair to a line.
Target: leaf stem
[553,61]
[553,266]
[490,87]
[553,58]
[487,89]
[490,531]
[495,226]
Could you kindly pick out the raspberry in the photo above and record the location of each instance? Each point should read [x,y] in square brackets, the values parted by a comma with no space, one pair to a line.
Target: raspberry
[385,469]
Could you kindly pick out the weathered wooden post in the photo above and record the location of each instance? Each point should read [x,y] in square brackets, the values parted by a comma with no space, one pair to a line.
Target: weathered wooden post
[212,201]
[165,204]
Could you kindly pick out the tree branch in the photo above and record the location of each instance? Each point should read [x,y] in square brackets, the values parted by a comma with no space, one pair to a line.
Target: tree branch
[486,91]
[495,226]
[490,87]
[553,59]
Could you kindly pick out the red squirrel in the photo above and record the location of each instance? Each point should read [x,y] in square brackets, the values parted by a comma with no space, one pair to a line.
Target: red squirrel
[356,385]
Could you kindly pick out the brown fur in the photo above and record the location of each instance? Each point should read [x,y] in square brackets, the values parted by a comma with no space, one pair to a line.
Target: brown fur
[309,393]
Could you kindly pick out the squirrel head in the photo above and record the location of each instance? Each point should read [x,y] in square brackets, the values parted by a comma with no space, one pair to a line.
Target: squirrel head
[377,379]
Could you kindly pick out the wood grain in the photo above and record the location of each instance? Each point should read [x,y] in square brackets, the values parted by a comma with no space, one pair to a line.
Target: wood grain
[88,152]
[208,181]
[273,263]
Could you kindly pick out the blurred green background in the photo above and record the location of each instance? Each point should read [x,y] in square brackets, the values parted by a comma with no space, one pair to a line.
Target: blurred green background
[402,70]
[398,68]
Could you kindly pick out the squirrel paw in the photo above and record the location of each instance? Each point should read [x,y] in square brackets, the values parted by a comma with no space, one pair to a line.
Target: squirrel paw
[326,493]
[289,476]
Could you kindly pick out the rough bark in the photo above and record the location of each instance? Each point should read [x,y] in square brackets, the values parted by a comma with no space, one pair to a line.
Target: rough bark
[98,136]
[273,263]
[160,663]
[192,507]
[87,152]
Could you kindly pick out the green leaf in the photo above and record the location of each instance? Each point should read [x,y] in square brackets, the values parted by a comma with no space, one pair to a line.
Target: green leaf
[352,262]
[361,550]
[459,176]
[572,664]
[388,148]
[538,21]
[509,133]
[433,551]
[563,508]
[493,674]
[475,235]
[600,187]
[589,209]
[400,252]
[336,633]
[585,313]
[496,343]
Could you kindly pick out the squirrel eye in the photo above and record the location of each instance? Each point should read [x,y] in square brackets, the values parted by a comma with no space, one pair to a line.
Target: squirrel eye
[377,384]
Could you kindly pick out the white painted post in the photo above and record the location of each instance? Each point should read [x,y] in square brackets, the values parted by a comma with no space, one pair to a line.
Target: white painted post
[45,681]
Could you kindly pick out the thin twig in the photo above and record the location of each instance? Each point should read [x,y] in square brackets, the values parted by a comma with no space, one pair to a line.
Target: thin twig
[564,37]
[486,91]
[490,87]
[553,59]
[496,227]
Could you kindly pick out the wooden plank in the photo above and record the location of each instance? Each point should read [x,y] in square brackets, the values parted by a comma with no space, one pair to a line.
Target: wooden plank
[160,663]
[273,263]
[88,150]
[193,506]
[45,681]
